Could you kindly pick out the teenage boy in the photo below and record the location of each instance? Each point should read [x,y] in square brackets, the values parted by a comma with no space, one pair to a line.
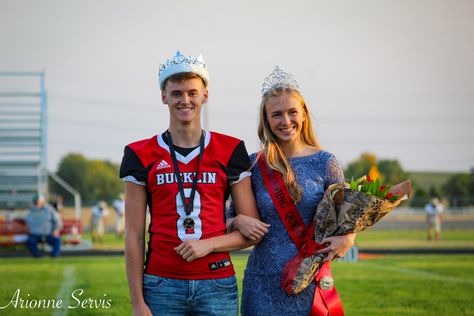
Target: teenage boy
[184,175]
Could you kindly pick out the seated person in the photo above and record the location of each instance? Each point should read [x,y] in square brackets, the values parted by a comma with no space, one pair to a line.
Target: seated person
[43,224]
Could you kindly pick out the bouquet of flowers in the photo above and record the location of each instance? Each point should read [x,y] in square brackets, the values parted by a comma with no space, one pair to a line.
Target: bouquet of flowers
[345,208]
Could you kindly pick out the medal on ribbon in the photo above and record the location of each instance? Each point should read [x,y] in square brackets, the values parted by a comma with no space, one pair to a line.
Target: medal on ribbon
[188,222]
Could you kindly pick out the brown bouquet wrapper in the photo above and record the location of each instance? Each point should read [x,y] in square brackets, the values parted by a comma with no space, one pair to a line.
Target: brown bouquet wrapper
[341,211]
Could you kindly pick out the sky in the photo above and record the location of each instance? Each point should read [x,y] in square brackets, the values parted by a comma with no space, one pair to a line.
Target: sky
[394,78]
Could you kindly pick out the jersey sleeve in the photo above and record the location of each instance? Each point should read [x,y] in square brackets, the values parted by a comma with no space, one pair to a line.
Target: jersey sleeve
[238,166]
[132,169]
[334,172]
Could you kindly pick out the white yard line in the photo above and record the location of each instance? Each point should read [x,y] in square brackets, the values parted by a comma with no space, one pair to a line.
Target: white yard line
[64,293]
[421,273]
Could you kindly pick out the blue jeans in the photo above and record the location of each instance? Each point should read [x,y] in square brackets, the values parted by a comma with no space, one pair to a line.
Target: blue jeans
[217,297]
[34,240]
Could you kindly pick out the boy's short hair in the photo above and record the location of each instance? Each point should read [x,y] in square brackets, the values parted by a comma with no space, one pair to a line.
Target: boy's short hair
[179,77]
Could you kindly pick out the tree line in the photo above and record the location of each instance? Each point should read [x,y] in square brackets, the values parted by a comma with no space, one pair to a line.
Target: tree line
[457,190]
[99,180]
[94,179]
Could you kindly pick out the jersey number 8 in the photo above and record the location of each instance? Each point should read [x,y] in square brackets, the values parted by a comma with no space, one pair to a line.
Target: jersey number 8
[193,233]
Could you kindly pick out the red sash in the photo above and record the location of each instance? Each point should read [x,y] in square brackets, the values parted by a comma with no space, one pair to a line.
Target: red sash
[325,302]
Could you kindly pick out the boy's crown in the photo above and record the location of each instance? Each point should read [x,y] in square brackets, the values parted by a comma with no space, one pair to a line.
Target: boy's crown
[180,63]
[279,79]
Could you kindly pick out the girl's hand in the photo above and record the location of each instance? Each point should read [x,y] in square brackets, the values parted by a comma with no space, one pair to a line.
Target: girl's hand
[251,228]
[337,246]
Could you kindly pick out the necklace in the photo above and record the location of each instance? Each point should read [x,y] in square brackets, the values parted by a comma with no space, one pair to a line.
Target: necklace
[188,222]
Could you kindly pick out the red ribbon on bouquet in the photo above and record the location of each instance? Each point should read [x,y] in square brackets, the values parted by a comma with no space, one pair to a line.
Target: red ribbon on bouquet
[325,302]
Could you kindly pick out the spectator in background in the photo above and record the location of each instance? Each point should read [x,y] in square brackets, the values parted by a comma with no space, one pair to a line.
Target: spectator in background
[99,212]
[57,203]
[43,224]
[434,211]
[119,208]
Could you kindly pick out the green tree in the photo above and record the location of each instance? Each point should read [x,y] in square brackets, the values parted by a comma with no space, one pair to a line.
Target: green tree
[94,179]
[72,169]
[419,197]
[433,192]
[457,189]
[360,166]
[471,184]
[103,181]
[392,171]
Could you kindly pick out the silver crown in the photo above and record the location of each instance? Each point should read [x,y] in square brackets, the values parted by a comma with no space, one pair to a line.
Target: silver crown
[180,63]
[279,79]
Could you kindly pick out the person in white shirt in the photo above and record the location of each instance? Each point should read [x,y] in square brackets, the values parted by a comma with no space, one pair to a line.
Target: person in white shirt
[119,207]
[99,212]
[434,211]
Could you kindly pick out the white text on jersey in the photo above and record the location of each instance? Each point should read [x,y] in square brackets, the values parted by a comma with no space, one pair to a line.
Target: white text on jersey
[186,177]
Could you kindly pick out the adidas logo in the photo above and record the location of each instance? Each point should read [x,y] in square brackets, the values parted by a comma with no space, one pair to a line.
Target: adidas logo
[219,264]
[162,165]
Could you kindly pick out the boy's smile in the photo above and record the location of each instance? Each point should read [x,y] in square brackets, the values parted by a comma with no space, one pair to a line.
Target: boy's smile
[185,99]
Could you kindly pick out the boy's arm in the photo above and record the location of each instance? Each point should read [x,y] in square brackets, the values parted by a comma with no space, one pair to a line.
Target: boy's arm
[135,212]
[244,201]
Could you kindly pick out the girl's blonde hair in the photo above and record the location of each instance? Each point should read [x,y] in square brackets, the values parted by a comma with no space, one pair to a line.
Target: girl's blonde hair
[271,148]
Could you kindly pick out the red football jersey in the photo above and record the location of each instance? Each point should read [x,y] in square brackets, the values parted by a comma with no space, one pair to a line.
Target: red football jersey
[155,168]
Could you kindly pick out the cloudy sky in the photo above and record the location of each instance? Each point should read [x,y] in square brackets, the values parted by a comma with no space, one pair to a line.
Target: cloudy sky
[395,78]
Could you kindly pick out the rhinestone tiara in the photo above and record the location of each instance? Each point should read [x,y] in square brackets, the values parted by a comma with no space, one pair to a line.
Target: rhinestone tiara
[180,63]
[279,79]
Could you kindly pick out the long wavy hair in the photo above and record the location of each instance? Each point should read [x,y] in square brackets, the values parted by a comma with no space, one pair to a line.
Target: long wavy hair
[272,149]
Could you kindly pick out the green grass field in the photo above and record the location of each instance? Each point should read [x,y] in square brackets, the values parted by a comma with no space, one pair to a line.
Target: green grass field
[406,239]
[391,285]
[369,239]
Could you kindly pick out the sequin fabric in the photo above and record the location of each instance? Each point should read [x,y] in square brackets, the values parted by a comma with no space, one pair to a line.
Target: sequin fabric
[262,294]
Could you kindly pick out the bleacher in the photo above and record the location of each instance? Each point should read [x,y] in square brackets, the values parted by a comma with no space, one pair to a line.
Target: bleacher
[15,232]
[23,171]
[22,139]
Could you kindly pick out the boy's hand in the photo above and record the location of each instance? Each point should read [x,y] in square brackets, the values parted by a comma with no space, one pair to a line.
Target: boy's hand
[190,250]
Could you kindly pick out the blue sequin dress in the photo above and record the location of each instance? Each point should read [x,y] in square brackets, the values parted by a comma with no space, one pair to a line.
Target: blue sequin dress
[262,293]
